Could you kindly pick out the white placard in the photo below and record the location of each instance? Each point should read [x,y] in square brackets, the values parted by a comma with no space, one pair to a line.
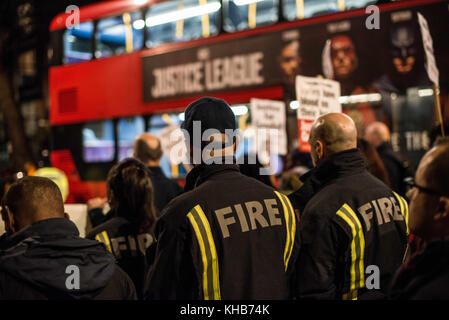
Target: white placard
[431,66]
[269,121]
[172,144]
[316,97]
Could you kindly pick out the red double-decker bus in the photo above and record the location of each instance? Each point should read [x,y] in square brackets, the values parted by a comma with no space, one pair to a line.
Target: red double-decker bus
[134,65]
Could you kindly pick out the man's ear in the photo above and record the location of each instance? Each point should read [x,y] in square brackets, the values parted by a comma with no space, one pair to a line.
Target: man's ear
[319,150]
[443,210]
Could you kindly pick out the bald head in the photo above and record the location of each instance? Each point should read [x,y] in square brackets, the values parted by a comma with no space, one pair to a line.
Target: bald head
[147,148]
[331,133]
[433,169]
[30,200]
[376,133]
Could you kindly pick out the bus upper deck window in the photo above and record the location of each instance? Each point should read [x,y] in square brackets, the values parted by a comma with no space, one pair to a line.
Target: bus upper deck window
[355,4]
[118,35]
[128,129]
[247,14]
[98,141]
[175,21]
[78,43]
[294,9]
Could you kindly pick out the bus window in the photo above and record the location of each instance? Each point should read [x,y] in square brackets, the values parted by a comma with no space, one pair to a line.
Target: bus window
[247,14]
[175,21]
[355,4]
[294,9]
[121,34]
[128,129]
[98,141]
[158,122]
[78,43]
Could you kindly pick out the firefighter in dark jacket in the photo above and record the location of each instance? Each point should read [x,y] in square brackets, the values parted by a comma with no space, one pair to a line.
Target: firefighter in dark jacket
[129,233]
[353,228]
[42,255]
[230,236]
[426,274]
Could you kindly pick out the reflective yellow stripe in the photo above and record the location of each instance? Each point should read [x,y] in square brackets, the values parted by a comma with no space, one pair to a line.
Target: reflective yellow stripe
[213,252]
[200,224]
[341,5]
[362,245]
[103,238]
[404,209]
[292,230]
[357,259]
[106,238]
[290,227]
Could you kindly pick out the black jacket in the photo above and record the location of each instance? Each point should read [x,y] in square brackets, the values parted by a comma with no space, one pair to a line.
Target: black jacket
[397,171]
[425,275]
[349,221]
[132,249]
[39,261]
[225,239]
[165,189]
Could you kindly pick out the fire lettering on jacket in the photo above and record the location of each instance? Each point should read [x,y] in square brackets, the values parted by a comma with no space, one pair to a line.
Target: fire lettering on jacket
[385,209]
[250,215]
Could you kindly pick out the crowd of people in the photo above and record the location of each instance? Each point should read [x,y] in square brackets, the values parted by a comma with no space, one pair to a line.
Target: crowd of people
[346,228]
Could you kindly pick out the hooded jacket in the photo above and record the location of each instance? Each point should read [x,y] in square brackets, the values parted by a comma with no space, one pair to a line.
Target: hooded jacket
[353,229]
[229,237]
[48,260]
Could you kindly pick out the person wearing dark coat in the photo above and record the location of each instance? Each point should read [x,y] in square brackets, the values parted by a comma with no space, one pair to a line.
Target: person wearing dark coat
[42,255]
[129,233]
[147,148]
[378,134]
[425,275]
[350,221]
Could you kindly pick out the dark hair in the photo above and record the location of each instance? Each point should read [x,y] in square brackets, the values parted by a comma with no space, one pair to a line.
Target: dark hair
[144,153]
[130,193]
[30,194]
[375,165]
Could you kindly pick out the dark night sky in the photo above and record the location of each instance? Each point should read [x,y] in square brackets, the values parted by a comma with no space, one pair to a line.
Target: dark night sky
[45,10]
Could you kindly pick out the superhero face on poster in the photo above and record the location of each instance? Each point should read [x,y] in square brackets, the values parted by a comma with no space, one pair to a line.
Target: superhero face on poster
[344,62]
[290,62]
[343,56]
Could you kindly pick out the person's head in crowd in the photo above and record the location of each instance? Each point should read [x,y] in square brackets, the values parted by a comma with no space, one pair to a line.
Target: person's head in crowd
[30,200]
[147,148]
[290,61]
[429,196]
[435,133]
[130,193]
[331,133]
[377,133]
[209,129]
[374,163]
